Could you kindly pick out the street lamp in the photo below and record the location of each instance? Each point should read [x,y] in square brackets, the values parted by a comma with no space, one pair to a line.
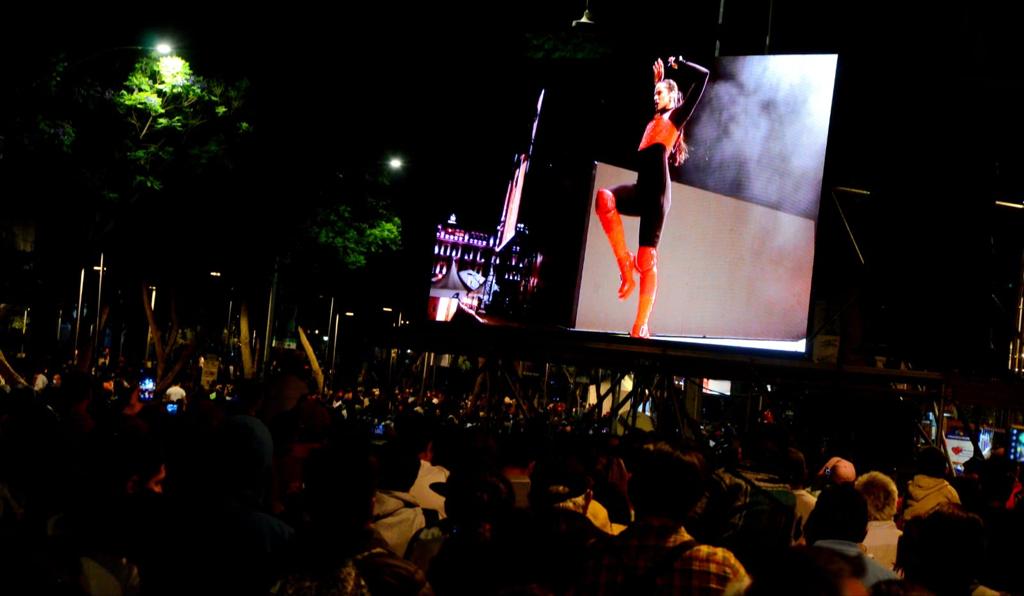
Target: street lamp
[227,293]
[334,349]
[395,163]
[99,298]
[162,48]
[78,314]
[24,330]
[149,331]
[330,322]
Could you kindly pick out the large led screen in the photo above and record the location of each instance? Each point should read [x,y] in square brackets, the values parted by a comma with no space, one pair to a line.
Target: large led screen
[489,274]
[735,252]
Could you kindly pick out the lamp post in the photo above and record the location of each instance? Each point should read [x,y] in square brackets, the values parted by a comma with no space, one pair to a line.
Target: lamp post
[149,332]
[225,291]
[268,338]
[99,298]
[334,350]
[227,328]
[330,322]
[24,329]
[78,314]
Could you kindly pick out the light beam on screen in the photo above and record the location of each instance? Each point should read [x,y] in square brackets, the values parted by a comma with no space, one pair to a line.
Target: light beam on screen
[510,212]
[803,72]
[718,386]
[446,309]
[782,346]
[761,130]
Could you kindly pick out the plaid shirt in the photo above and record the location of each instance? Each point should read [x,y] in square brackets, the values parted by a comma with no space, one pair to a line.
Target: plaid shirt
[634,562]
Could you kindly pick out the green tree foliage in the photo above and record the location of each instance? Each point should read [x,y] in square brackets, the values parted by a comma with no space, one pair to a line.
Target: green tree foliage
[138,143]
[180,123]
[351,239]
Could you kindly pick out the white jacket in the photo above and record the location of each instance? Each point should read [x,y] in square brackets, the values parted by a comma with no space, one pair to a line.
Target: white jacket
[397,516]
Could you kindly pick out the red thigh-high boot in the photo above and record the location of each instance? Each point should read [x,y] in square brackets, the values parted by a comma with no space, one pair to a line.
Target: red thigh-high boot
[612,224]
[647,263]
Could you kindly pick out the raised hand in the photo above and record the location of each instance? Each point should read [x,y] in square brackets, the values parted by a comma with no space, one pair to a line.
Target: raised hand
[659,70]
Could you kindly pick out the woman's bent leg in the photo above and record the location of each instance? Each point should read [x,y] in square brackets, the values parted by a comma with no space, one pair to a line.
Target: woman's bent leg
[611,222]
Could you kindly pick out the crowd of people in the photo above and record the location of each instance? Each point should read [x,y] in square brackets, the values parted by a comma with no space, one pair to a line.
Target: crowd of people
[238,489]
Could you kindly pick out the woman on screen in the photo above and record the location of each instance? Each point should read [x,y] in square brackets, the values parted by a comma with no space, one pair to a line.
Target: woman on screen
[650,197]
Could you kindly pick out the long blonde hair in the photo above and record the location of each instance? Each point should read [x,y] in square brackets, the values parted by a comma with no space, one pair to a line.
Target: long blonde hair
[679,151]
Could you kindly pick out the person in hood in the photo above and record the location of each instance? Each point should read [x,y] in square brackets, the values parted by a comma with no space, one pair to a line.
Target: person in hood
[929,489]
[397,515]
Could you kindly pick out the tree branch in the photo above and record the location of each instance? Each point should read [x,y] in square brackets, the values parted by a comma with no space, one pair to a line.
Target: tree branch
[248,363]
[8,371]
[318,374]
[165,382]
[172,337]
[146,129]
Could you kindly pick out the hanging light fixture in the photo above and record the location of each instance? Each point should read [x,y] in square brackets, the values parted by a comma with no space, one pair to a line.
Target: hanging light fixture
[586,19]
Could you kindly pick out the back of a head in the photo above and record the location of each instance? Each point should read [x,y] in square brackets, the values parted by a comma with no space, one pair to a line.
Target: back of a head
[796,468]
[557,478]
[838,471]
[666,482]
[120,457]
[399,466]
[880,493]
[76,387]
[243,455]
[339,485]
[805,571]
[250,394]
[841,513]
[415,431]
[942,550]
[517,450]
[765,447]
[478,496]
[998,478]
[931,462]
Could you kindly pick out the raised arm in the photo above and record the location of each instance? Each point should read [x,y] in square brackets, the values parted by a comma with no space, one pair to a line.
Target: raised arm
[698,75]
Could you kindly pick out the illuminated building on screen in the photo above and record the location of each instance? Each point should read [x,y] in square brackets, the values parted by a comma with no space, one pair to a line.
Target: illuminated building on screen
[469,267]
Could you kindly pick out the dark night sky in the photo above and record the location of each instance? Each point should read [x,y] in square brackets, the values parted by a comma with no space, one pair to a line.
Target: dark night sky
[926,116]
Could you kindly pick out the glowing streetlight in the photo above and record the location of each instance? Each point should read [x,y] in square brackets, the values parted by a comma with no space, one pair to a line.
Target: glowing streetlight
[163,49]
[395,163]
[99,311]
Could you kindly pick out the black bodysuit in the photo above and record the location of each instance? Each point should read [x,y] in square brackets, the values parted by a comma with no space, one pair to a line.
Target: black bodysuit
[650,197]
